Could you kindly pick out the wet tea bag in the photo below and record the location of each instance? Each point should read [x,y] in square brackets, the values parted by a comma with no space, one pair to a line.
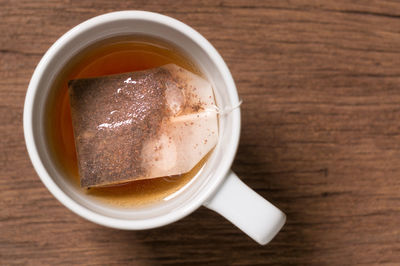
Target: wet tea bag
[141,125]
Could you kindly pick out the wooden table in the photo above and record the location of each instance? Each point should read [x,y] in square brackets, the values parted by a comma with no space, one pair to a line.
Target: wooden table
[320,83]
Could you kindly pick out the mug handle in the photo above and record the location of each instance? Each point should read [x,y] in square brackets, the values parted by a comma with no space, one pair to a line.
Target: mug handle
[246,209]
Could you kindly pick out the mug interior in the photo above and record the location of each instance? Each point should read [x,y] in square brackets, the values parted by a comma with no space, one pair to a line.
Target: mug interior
[199,51]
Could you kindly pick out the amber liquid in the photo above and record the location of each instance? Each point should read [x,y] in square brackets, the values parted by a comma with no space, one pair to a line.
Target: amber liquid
[112,56]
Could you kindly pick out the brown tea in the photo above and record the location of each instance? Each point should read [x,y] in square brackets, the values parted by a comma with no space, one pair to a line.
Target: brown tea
[112,56]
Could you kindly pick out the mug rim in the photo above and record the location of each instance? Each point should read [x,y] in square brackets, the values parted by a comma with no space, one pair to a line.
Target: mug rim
[45,177]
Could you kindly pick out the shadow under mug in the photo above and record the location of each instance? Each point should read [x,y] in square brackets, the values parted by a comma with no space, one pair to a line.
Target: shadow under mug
[215,186]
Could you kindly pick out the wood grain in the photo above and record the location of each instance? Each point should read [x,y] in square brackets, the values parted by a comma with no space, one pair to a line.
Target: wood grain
[320,81]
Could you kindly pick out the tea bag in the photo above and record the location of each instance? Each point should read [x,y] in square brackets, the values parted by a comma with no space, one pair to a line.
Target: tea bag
[141,125]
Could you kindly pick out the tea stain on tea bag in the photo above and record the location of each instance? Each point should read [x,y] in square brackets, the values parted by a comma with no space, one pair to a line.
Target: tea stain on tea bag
[141,125]
[174,97]
[189,133]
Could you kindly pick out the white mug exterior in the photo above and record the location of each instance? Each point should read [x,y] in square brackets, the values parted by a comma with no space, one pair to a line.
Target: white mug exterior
[210,182]
[241,205]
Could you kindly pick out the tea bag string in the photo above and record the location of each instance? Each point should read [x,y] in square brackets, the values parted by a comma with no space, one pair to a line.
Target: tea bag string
[226,110]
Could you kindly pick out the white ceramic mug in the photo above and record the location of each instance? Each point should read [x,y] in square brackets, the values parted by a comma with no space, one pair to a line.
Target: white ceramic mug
[215,186]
